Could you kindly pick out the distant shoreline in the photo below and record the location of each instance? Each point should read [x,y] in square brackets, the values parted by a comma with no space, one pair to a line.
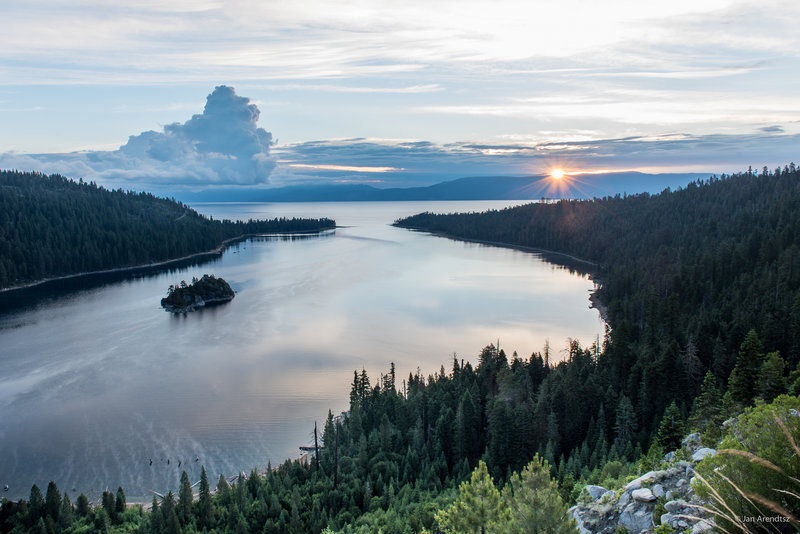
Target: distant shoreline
[213,252]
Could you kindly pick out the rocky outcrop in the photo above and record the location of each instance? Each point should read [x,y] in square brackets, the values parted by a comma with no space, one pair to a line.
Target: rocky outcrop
[207,290]
[602,511]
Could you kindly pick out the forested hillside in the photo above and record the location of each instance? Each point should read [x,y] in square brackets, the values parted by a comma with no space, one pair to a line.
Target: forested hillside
[52,226]
[685,274]
[704,310]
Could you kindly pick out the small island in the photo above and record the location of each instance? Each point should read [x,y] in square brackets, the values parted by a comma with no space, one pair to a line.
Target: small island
[207,290]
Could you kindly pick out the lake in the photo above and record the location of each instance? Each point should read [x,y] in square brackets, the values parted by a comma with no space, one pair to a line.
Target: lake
[100,387]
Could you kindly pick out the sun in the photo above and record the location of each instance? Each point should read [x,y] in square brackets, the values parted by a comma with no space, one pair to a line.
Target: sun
[557,174]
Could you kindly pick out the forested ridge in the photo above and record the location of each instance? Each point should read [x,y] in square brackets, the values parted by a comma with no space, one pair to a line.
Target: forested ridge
[685,274]
[52,226]
[704,311]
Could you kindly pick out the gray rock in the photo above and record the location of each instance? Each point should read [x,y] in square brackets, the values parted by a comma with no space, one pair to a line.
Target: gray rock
[632,508]
[692,441]
[675,506]
[650,476]
[703,526]
[595,492]
[574,512]
[702,453]
[728,422]
[636,520]
[643,495]
[669,456]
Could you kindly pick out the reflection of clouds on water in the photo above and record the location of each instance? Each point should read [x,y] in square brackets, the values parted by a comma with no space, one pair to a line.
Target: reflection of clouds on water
[103,380]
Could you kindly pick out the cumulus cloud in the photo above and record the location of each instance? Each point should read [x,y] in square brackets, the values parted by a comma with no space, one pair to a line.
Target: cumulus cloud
[221,146]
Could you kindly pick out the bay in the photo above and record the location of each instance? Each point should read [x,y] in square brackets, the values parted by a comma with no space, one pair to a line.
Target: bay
[100,387]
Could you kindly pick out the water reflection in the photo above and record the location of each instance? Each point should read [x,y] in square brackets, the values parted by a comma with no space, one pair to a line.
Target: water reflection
[59,289]
[98,380]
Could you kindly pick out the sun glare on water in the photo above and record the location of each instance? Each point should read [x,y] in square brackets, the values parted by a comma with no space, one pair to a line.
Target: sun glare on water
[557,174]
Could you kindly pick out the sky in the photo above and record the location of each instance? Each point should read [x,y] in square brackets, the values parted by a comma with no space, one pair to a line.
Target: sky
[202,93]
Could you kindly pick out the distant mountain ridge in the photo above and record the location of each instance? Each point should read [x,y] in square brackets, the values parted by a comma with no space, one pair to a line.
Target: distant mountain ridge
[472,188]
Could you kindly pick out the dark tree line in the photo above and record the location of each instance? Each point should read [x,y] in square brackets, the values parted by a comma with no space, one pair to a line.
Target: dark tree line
[53,226]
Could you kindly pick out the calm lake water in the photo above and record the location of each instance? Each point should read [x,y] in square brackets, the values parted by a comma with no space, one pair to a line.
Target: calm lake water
[97,380]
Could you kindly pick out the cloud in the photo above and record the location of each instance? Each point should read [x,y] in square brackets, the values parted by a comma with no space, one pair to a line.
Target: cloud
[224,146]
[221,146]
[423,163]
[343,168]
[145,43]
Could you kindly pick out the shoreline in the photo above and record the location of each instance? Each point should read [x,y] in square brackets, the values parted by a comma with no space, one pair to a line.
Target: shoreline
[501,244]
[594,300]
[213,252]
[598,305]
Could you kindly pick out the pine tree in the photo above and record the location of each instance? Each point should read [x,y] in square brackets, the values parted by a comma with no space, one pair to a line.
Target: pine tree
[671,429]
[692,364]
[743,382]
[241,525]
[110,505]
[204,509]
[534,501]
[102,523]
[82,505]
[169,516]
[478,508]
[355,391]
[467,428]
[771,381]
[295,522]
[184,508]
[65,515]
[36,506]
[625,424]
[500,437]
[706,416]
[121,504]
[52,501]
[223,491]
[156,521]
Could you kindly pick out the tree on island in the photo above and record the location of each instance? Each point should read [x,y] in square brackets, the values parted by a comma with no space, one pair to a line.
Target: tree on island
[207,290]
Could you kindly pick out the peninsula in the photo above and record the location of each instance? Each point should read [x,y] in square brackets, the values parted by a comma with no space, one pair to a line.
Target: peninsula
[53,227]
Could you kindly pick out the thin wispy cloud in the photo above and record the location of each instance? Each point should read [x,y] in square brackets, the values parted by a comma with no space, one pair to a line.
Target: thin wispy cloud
[323,38]
[347,168]
[421,88]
